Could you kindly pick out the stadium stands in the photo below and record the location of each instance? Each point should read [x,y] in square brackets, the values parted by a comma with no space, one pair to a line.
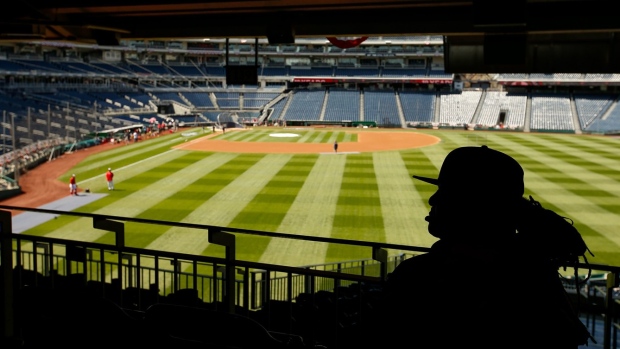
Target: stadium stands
[66,100]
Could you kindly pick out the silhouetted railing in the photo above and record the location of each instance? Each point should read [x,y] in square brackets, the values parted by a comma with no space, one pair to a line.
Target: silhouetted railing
[136,278]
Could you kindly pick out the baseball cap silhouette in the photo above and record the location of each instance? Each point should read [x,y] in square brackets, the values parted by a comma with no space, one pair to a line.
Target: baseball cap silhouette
[480,171]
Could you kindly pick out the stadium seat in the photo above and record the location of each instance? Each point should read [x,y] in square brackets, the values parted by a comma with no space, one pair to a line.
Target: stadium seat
[215,329]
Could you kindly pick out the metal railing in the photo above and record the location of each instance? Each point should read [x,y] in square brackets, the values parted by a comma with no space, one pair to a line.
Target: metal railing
[135,278]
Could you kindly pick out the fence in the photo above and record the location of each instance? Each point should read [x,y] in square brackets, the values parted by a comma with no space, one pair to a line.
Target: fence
[136,278]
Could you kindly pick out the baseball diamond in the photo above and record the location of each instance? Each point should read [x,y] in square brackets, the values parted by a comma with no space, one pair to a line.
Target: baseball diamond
[298,185]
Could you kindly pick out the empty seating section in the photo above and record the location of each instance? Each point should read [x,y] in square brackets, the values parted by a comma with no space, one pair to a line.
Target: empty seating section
[40,65]
[403,72]
[211,115]
[602,77]
[140,98]
[110,68]
[311,71]
[380,106]
[496,102]
[63,122]
[274,71]
[117,100]
[136,68]
[61,98]
[591,107]
[215,70]
[13,66]
[418,106]
[186,70]
[541,76]
[609,123]
[84,98]
[305,105]
[128,119]
[278,107]
[169,96]
[458,108]
[551,113]
[257,99]
[158,69]
[77,109]
[369,72]
[227,99]
[342,105]
[77,67]
[199,99]
[439,74]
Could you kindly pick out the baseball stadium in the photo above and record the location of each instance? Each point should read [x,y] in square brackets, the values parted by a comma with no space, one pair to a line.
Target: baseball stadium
[272,201]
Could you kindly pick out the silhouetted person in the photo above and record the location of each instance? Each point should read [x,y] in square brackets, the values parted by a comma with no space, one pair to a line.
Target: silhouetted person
[482,285]
[336,146]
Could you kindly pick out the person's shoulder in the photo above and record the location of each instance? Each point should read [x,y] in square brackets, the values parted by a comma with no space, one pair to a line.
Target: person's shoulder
[419,260]
[419,265]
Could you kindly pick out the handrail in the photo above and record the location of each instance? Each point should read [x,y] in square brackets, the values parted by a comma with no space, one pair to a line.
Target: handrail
[254,285]
[227,229]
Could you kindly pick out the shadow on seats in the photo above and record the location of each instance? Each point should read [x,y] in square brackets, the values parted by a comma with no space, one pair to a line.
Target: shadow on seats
[215,329]
[49,318]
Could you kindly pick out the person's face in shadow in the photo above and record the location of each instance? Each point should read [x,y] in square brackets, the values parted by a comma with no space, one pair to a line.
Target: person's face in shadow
[452,210]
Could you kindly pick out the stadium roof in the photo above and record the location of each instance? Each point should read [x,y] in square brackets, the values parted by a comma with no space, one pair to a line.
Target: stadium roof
[552,29]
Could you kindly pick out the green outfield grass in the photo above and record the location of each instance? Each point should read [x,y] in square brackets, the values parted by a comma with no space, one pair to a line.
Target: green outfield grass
[366,196]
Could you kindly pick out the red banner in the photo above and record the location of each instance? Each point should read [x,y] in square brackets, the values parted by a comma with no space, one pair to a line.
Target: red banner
[346,43]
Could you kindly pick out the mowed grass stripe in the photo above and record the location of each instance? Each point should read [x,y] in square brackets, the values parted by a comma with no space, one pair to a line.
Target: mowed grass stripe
[597,202]
[131,150]
[58,227]
[239,184]
[597,222]
[403,211]
[603,145]
[581,180]
[454,139]
[311,137]
[252,136]
[139,166]
[308,136]
[582,165]
[592,144]
[195,203]
[133,153]
[329,137]
[418,163]
[599,229]
[172,197]
[358,214]
[136,201]
[602,151]
[268,208]
[235,135]
[189,204]
[569,197]
[311,213]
